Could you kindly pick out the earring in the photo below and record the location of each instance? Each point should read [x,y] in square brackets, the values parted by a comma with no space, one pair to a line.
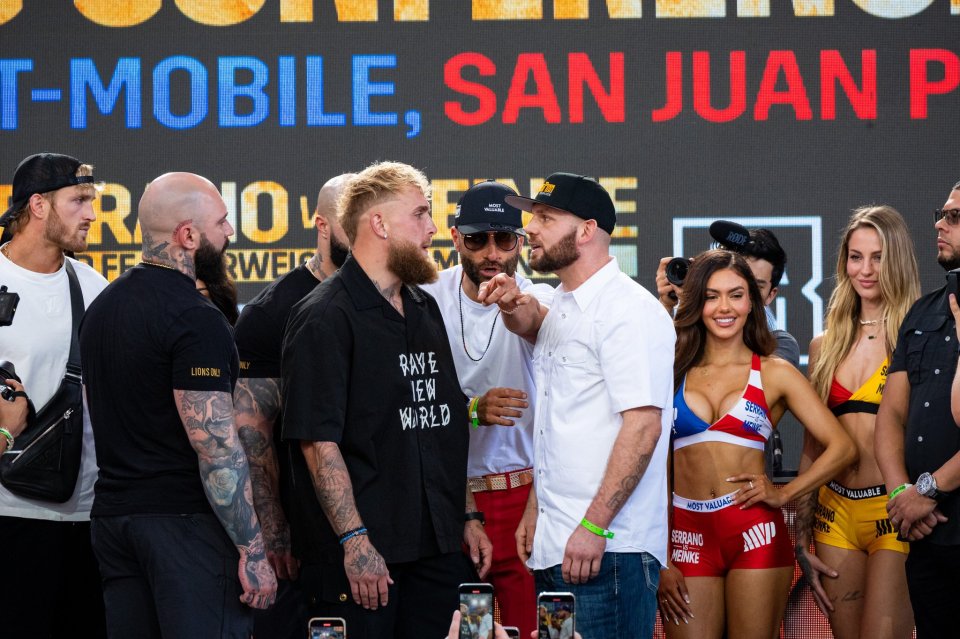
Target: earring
[384,236]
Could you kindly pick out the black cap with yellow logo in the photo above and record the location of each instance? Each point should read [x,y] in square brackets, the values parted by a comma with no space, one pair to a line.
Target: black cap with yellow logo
[578,194]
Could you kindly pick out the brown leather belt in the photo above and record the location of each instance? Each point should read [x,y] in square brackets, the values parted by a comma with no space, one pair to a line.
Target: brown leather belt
[501,481]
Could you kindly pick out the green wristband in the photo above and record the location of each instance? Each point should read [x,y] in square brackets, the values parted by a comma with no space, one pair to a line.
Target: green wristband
[595,529]
[474,415]
[8,436]
[899,489]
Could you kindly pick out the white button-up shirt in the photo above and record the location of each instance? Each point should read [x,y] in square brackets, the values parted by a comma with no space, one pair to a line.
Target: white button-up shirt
[604,348]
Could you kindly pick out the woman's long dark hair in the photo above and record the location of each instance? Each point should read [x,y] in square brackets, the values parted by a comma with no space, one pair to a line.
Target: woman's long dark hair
[691,332]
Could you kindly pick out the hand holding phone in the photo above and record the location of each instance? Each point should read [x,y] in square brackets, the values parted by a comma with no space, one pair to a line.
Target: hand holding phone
[556,615]
[512,631]
[476,611]
[327,628]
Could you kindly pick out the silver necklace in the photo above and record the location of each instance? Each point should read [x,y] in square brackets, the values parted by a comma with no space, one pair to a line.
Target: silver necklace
[463,334]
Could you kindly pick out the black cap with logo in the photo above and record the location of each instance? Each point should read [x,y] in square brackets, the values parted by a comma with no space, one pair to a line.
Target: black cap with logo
[484,208]
[42,173]
[578,194]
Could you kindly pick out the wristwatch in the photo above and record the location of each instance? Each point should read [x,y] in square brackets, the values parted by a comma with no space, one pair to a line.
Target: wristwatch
[927,486]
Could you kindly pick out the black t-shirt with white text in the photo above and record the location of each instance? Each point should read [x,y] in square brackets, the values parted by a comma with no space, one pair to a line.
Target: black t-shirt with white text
[148,333]
[384,388]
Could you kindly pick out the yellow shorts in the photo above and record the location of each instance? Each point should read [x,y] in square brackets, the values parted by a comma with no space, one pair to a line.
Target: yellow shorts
[856,519]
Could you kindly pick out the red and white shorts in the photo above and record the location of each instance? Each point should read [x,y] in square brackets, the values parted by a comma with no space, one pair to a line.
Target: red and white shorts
[710,538]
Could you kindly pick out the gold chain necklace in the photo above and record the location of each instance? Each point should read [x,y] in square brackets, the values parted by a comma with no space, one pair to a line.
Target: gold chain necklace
[145,262]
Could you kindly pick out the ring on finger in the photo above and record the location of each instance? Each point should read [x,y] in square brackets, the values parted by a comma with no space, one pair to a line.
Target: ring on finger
[750,483]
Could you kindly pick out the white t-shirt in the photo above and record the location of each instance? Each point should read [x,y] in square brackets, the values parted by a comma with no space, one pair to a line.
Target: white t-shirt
[38,343]
[603,348]
[506,363]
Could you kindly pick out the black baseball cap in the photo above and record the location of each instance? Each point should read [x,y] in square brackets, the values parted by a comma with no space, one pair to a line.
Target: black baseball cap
[42,173]
[578,194]
[484,208]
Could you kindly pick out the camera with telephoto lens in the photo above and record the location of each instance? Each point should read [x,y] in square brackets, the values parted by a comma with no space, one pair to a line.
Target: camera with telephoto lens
[7,371]
[726,235]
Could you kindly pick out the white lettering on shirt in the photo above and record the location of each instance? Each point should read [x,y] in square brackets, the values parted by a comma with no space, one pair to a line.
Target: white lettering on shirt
[424,413]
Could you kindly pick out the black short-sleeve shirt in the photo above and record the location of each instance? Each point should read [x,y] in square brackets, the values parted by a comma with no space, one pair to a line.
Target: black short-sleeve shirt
[259,334]
[259,330]
[384,388]
[927,351]
[148,333]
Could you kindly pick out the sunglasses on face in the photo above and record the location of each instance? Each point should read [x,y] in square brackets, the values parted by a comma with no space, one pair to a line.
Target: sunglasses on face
[952,215]
[505,240]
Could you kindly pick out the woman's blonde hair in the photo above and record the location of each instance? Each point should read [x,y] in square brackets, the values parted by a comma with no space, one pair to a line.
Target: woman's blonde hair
[899,287]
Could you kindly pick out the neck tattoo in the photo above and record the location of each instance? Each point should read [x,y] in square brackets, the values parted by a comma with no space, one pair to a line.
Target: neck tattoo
[463,334]
[315,266]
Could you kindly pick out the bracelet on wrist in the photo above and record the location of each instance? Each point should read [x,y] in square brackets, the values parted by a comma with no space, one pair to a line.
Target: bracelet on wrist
[899,489]
[473,411]
[476,516]
[350,534]
[595,529]
[7,435]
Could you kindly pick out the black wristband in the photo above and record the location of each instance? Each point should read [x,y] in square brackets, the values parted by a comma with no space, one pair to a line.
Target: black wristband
[476,515]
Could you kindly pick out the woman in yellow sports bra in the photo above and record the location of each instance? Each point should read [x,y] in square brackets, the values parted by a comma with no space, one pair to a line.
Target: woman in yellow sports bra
[857,575]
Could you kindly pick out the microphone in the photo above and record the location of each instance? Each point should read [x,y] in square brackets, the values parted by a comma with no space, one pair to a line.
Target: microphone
[731,236]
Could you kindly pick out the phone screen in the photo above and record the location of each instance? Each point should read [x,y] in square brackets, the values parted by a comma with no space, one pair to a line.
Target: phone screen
[327,628]
[476,611]
[556,615]
[512,631]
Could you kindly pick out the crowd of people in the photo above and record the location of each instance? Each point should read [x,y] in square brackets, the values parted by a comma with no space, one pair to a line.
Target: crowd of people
[367,433]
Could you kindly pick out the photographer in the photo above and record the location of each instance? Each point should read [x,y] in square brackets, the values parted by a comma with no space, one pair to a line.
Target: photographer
[767,260]
[57,584]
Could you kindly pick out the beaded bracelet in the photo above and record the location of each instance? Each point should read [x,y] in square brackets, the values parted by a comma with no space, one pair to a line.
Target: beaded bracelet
[350,534]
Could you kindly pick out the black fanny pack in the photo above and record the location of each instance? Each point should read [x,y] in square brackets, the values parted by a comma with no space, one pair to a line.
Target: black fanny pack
[46,461]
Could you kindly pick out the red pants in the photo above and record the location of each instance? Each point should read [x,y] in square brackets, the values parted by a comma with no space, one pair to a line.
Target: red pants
[512,584]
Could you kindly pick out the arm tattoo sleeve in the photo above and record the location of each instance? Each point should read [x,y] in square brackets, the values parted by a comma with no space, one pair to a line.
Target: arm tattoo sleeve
[207,417]
[331,482]
[256,406]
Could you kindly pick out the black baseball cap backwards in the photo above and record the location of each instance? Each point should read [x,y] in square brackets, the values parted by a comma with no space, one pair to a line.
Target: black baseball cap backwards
[42,173]
[483,208]
[578,194]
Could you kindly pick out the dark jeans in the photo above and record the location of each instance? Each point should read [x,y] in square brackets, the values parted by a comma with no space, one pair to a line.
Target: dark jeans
[620,603]
[51,584]
[421,600]
[173,576]
[932,572]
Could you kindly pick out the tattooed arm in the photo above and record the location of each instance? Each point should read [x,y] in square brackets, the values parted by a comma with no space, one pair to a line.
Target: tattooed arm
[628,461]
[365,568]
[207,417]
[256,406]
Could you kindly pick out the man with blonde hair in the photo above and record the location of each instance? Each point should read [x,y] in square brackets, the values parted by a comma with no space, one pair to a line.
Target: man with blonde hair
[370,391]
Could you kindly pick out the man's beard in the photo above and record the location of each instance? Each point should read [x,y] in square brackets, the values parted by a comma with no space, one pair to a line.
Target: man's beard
[211,267]
[949,263]
[563,254]
[338,251]
[408,262]
[472,268]
[57,232]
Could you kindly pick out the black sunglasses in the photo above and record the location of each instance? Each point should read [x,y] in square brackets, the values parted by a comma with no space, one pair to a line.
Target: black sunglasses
[952,215]
[505,240]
